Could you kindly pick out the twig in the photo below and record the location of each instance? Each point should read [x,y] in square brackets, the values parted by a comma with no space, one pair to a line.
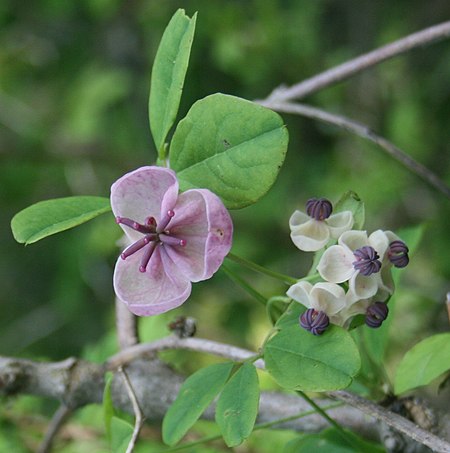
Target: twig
[351,67]
[59,418]
[234,353]
[126,326]
[139,417]
[394,420]
[365,132]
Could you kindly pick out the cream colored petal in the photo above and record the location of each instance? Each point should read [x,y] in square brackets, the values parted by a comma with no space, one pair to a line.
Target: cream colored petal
[328,297]
[311,235]
[363,287]
[340,223]
[336,266]
[380,242]
[300,293]
[354,239]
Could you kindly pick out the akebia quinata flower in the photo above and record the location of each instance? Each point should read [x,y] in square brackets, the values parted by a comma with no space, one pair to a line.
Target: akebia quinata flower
[175,239]
[358,259]
[312,231]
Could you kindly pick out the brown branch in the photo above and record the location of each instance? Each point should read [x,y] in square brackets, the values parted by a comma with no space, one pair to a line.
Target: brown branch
[352,67]
[58,420]
[365,132]
[126,326]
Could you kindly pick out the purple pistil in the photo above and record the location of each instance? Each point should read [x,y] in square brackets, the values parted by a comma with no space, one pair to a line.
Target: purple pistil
[398,254]
[367,262]
[376,314]
[314,321]
[319,208]
[154,235]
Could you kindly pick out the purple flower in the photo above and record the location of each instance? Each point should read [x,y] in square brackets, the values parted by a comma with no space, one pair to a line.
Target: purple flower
[175,239]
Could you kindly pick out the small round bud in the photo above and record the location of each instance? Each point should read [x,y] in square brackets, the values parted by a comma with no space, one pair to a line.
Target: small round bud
[319,208]
[398,254]
[314,321]
[376,314]
[367,262]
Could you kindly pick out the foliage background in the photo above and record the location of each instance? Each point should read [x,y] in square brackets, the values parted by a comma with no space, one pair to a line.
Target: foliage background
[74,80]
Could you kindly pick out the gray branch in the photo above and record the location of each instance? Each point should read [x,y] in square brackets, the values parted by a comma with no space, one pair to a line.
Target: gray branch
[352,67]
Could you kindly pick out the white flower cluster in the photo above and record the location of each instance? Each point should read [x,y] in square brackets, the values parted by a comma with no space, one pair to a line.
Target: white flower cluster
[356,271]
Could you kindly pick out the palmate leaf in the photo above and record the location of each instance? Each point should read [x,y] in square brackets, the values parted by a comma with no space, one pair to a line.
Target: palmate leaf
[298,360]
[168,74]
[53,216]
[231,146]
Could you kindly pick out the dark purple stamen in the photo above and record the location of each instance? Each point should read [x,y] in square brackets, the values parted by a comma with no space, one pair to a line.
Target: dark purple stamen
[376,314]
[314,321]
[367,262]
[319,208]
[398,254]
[154,235]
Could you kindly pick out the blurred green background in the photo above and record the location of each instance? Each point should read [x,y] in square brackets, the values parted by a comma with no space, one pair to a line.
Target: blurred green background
[74,80]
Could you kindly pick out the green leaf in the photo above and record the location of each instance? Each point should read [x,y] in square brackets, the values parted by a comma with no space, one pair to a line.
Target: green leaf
[53,216]
[424,362]
[299,360]
[351,202]
[121,432]
[331,440]
[231,146]
[108,408]
[291,316]
[237,407]
[168,73]
[195,395]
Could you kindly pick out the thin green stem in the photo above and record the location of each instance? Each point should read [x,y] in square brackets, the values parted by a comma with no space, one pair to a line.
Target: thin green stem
[309,278]
[330,420]
[244,285]
[256,267]
[256,428]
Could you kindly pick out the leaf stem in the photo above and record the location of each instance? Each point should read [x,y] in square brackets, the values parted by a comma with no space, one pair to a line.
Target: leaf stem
[256,267]
[330,420]
[257,427]
[244,285]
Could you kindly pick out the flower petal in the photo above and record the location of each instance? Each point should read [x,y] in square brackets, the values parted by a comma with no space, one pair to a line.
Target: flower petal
[161,288]
[309,236]
[328,297]
[362,287]
[336,264]
[380,242]
[353,239]
[340,223]
[147,191]
[300,292]
[202,220]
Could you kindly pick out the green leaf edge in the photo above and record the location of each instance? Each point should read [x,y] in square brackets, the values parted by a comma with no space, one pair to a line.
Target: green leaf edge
[64,225]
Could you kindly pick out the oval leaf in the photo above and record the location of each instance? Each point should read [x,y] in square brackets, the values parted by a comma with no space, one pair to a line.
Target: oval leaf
[231,146]
[299,360]
[237,407]
[53,216]
[351,202]
[121,433]
[168,73]
[195,395]
[424,362]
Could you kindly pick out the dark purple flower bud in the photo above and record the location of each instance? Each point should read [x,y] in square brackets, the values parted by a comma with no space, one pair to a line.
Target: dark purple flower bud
[398,254]
[319,208]
[376,314]
[367,262]
[314,321]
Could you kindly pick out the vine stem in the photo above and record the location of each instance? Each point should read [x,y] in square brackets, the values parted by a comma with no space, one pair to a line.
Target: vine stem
[365,132]
[230,352]
[352,67]
[256,267]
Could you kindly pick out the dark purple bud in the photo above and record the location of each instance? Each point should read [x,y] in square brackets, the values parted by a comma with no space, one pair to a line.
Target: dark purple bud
[398,254]
[319,208]
[314,321]
[367,262]
[376,314]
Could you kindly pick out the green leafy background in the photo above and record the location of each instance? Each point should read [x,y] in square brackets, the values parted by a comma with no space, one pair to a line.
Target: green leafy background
[73,118]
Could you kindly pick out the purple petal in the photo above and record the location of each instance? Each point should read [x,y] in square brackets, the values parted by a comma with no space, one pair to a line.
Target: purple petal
[161,288]
[204,223]
[142,193]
